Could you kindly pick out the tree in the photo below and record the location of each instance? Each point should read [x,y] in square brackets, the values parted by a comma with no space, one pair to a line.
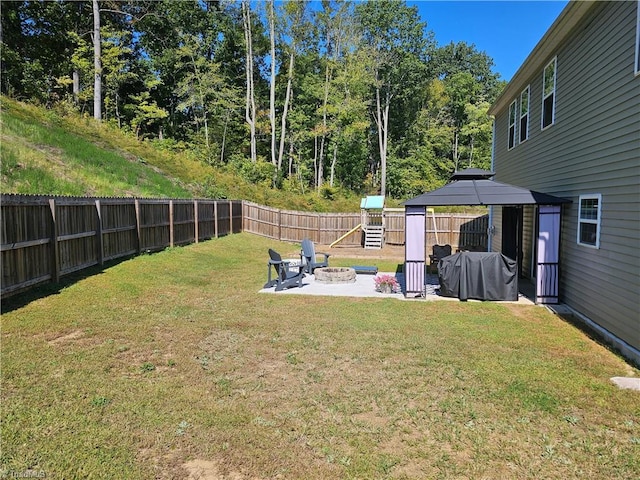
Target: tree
[349,106]
[250,105]
[297,26]
[462,90]
[82,68]
[332,20]
[119,68]
[461,57]
[37,44]
[477,132]
[271,16]
[397,42]
[97,62]
[145,111]
[202,90]
[350,94]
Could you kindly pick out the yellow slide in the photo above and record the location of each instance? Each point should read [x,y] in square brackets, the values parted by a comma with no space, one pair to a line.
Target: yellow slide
[353,230]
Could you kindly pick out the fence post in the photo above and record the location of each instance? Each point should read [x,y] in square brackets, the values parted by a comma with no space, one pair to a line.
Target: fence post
[215,218]
[138,227]
[55,256]
[195,220]
[242,208]
[100,240]
[171,233]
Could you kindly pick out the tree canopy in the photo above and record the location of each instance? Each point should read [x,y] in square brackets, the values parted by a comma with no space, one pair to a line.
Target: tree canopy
[297,95]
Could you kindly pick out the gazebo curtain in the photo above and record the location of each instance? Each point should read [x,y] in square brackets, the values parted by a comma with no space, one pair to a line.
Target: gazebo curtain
[414,267]
[547,277]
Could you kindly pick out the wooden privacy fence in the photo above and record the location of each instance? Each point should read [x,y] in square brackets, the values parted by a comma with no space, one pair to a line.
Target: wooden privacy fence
[457,230]
[44,238]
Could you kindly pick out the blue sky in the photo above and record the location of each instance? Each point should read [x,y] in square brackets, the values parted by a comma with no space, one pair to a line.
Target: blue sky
[505,30]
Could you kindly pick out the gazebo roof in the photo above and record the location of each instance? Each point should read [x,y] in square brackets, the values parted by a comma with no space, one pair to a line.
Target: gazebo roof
[475,187]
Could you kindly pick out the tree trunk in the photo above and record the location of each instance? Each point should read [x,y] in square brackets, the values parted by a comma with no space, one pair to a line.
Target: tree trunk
[97,63]
[290,159]
[323,139]
[250,108]
[455,150]
[224,137]
[315,159]
[118,111]
[385,144]
[206,130]
[382,121]
[76,87]
[333,162]
[285,110]
[272,91]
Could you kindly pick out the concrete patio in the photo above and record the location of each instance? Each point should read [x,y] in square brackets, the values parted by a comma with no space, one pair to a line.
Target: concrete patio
[364,286]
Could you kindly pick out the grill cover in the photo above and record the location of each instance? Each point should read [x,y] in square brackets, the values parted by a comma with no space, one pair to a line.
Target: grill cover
[479,276]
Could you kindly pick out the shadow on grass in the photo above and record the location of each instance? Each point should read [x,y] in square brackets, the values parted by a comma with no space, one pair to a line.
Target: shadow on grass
[596,336]
[24,297]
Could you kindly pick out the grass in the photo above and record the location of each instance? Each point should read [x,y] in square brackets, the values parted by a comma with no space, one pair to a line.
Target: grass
[172,363]
[43,154]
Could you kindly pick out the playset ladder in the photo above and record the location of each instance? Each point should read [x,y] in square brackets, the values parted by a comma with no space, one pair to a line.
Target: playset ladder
[373,236]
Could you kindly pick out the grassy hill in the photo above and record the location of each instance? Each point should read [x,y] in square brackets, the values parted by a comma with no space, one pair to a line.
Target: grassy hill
[56,152]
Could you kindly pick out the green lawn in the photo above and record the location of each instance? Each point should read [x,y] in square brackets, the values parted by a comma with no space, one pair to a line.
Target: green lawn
[172,364]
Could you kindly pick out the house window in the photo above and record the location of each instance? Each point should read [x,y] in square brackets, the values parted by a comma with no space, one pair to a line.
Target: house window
[549,94]
[524,114]
[512,125]
[589,215]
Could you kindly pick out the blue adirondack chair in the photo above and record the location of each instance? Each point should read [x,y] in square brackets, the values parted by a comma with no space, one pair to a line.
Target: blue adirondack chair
[286,274]
[310,257]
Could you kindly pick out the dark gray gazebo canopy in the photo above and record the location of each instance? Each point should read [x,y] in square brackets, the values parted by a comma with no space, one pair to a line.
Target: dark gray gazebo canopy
[474,186]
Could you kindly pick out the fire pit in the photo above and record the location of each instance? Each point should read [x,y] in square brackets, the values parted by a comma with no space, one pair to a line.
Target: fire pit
[335,275]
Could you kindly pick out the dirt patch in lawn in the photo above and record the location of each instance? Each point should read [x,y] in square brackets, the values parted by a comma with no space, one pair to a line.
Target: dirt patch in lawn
[76,334]
[207,470]
[387,252]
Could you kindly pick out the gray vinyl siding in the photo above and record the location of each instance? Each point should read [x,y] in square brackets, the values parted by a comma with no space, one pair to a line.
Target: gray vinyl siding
[496,239]
[528,232]
[593,148]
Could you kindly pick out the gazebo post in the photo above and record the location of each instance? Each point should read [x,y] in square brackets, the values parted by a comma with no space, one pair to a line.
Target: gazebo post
[548,258]
[414,253]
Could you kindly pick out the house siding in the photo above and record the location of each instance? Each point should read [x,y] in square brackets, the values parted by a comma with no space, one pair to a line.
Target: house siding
[593,147]
[528,232]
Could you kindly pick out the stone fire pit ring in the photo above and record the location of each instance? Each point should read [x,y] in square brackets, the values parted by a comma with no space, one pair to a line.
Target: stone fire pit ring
[335,275]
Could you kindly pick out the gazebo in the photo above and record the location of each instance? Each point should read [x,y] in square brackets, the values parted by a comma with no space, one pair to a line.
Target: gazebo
[476,187]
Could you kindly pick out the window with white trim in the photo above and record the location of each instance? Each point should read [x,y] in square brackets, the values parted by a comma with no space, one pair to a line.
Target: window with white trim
[524,114]
[549,94]
[589,216]
[512,125]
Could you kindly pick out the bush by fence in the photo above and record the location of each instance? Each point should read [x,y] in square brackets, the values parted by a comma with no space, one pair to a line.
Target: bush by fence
[44,238]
